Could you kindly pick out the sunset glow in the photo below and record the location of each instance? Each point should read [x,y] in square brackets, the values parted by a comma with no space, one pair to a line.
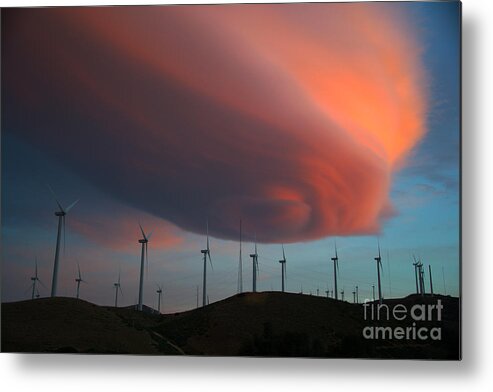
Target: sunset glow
[293,118]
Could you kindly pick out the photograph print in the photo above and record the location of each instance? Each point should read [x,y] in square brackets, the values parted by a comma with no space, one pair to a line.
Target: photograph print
[259,180]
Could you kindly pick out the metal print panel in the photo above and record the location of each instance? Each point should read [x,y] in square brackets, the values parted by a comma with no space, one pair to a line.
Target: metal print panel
[232,180]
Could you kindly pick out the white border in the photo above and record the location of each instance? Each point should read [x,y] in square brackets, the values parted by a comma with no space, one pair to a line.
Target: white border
[474,373]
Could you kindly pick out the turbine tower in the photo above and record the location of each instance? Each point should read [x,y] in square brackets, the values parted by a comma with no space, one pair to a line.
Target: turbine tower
[78,280]
[283,268]
[117,289]
[422,278]
[159,291]
[207,254]
[240,268]
[431,280]
[443,277]
[144,256]
[335,260]
[378,259]
[254,257]
[61,213]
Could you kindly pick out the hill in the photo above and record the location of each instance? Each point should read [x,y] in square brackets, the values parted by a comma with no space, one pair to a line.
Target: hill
[253,324]
[69,325]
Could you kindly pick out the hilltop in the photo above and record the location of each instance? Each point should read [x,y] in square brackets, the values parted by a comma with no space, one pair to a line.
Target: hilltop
[253,324]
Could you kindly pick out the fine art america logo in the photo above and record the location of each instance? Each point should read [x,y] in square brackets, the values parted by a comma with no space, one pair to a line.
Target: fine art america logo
[418,314]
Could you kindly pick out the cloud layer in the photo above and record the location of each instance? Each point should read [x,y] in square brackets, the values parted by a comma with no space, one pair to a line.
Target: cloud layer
[290,117]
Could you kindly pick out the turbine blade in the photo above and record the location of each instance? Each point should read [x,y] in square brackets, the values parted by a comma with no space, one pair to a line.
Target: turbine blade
[149,236]
[210,261]
[378,239]
[71,206]
[283,254]
[78,269]
[29,289]
[64,240]
[207,225]
[54,196]
[35,267]
[42,284]
[142,231]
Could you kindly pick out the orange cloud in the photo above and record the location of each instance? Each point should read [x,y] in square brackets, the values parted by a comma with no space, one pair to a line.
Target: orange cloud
[291,117]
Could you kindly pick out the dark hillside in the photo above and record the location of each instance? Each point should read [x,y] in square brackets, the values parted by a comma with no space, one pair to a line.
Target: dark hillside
[253,324]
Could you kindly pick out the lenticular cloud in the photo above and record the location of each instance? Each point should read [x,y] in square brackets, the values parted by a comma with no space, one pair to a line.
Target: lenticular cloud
[292,118]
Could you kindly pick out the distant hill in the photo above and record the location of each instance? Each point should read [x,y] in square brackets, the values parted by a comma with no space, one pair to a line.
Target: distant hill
[253,324]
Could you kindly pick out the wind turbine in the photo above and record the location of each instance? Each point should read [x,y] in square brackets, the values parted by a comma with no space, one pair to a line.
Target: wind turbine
[379,265]
[422,278]
[443,277]
[431,280]
[373,290]
[283,267]
[342,294]
[78,280]
[388,274]
[35,279]
[61,213]
[240,268]
[335,260]
[159,291]
[207,254]
[144,256]
[415,264]
[357,295]
[117,289]
[354,296]
[254,257]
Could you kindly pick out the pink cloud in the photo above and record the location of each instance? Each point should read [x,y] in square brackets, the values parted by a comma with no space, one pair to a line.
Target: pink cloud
[291,117]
